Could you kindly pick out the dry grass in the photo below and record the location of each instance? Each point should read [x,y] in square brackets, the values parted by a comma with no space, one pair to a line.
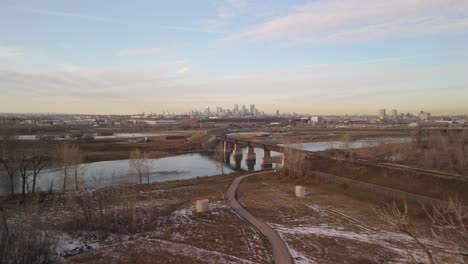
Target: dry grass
[23,241]
[408,181]
[153,223]
[436,151]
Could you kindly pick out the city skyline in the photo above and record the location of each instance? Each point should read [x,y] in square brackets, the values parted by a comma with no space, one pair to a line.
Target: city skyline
[323,57]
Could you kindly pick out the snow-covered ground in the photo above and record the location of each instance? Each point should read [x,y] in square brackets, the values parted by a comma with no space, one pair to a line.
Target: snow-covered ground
[319,233]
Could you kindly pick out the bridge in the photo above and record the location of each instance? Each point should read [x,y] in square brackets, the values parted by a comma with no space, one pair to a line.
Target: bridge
[235,146]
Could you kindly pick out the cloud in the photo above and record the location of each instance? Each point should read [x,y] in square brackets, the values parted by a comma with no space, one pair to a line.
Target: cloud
[231,8]
[66,67]
[8,51]
[66,14]
[329,87]
[141,52]
[356,20]
[183,70]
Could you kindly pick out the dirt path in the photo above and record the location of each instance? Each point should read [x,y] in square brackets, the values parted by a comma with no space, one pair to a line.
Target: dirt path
[280,251]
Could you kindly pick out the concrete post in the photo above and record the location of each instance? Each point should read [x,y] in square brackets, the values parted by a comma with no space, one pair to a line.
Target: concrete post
[300,191]
[202,206]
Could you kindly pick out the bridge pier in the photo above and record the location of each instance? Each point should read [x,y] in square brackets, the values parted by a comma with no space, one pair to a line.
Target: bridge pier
[238,161]
[267,162]
[250,153]
[237,149]
[234,146]
[250,164]
[227,147]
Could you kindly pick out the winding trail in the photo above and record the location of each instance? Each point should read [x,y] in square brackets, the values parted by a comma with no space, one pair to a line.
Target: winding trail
[280,250]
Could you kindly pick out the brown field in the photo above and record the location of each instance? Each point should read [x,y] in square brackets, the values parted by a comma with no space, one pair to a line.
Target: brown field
[153,223]
[329,227]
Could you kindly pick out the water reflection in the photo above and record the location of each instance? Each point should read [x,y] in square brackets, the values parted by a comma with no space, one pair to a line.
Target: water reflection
[105,173]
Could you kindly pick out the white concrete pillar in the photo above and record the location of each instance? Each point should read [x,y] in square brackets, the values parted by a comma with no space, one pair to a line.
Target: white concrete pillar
[300,191]
[237,150]
[267,161]
[202,205]
[227,147]
[250,153]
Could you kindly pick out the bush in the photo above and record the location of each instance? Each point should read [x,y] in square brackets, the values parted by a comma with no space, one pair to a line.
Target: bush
[20,243]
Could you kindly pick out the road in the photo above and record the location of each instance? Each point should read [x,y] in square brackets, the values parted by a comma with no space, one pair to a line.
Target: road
[280,250]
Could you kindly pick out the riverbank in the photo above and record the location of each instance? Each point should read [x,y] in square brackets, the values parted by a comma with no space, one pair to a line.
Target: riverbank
[143,223]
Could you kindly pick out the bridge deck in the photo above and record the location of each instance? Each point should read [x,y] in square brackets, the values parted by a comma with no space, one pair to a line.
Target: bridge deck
[245,143]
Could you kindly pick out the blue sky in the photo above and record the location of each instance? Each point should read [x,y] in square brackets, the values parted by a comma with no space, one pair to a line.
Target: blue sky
[319,57]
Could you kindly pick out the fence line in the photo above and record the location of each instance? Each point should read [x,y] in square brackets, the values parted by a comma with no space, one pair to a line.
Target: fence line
[393,193]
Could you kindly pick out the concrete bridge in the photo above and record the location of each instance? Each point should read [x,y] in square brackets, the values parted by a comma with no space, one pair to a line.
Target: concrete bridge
[235,146]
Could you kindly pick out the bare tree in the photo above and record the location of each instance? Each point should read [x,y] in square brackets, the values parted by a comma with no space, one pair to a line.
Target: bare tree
[219,157]
[139,162]
[76,158]
[8,157]
[70,160]
[38,163]
[347,144]
[397,217]
[449,223]
[24,168]
[11,167]
[294,163]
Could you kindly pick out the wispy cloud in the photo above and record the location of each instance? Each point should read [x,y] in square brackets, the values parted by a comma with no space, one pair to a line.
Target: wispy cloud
[351,20]
[8,51]
[231,8]
[183,70]
[142,52]
[66,14]
[67,67]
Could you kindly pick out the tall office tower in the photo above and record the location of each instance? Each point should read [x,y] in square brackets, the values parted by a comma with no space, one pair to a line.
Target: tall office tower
[277,112]
[207,110]
[236,109]
[252,109]
[394,114]
[244,110]
[382,114]
[424,116]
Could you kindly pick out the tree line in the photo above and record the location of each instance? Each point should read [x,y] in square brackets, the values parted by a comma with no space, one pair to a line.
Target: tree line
[23,165]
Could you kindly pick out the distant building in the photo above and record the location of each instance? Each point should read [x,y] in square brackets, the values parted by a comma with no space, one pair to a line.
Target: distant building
[244,110]
[277,112]
[236,109]
[382,114]
[252,109]
[424,116]
[316,120]
[394,114]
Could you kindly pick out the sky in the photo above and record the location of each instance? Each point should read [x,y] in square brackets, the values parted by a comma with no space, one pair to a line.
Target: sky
[317,57]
